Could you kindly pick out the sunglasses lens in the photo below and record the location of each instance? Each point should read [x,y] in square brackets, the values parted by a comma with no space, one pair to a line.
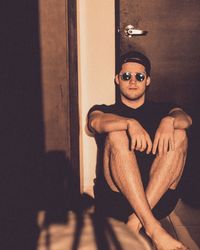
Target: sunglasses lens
[140,77]
[126,76]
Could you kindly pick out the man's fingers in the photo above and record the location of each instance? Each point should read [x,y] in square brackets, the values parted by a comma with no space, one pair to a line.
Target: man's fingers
[133,143]
[138,143]
[149,144]
[165,145]
[155,144]
[172,143]
[160,146]
[144,144]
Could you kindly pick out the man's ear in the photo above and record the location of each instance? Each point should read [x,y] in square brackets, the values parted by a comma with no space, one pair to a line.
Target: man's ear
[148,81]
[117,79]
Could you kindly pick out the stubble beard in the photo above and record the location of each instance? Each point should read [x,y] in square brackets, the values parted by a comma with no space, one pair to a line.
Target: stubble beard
[136,98]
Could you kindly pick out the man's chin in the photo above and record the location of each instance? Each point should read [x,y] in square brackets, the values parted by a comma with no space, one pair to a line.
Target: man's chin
[134,98]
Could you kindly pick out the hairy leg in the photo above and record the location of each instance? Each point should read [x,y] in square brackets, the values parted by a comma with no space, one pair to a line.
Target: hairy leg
[122,174]
[165,174]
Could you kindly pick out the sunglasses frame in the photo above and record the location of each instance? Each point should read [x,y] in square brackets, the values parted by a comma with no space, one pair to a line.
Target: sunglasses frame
[136,74]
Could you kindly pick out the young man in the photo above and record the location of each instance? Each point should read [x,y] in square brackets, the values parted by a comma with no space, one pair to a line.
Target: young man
[142,149]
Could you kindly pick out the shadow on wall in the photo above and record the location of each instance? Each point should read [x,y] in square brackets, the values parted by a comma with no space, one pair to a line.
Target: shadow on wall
[26,170]
[21,128]
[30,179]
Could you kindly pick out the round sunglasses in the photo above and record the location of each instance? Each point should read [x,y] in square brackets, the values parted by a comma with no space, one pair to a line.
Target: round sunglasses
[138,76]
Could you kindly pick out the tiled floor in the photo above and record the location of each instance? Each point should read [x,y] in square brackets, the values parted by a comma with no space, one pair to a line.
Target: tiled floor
[186,222]
[86,232]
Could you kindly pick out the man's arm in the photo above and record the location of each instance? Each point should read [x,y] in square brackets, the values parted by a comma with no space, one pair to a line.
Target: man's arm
[164,137]
[106,122]
[181,119]
[99,122]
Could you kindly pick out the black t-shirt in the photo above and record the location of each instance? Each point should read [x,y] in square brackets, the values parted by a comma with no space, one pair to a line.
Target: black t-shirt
[148,115]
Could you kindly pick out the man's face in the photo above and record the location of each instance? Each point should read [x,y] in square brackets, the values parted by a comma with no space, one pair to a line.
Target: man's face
[132,89]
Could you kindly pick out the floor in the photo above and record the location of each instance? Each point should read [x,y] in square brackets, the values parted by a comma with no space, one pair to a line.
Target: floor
[186,223]
[83,231]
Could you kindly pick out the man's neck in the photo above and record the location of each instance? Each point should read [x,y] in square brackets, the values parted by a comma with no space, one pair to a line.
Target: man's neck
[133,103]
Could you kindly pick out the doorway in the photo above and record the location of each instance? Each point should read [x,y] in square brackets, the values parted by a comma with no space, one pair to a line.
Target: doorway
[168,33]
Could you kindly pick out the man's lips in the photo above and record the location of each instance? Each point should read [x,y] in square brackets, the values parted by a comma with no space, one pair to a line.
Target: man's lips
[133,88]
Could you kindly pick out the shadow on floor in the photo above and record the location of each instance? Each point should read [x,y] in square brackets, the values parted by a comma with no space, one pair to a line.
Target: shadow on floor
[48,185]
[102,230]
[104,233]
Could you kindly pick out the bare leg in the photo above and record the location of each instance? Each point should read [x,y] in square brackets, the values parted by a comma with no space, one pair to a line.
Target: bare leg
[165,173]
[122,174]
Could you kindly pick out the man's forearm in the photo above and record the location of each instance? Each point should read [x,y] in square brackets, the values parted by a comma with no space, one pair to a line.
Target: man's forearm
[181,119]
[105,123]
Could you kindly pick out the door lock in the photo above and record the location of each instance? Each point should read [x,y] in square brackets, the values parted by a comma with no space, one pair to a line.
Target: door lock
[130,31]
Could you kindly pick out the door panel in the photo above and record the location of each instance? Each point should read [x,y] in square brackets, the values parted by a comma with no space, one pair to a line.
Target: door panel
[172,43]
[59,78]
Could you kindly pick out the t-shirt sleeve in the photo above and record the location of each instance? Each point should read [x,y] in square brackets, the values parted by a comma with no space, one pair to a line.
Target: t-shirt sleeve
[103,108]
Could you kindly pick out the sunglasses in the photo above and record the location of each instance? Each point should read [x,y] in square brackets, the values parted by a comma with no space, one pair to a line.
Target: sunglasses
[138,76]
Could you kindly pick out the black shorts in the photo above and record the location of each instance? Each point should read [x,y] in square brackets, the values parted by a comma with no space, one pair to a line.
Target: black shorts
[114,204]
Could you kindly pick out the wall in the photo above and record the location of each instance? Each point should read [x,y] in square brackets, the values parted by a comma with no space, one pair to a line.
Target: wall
[52,17]
[96,63]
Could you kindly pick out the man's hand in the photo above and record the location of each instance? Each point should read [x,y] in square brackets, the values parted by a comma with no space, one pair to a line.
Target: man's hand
[140,139]
[164,137]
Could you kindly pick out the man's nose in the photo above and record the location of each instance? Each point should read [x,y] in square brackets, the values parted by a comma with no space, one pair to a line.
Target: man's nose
[133,79]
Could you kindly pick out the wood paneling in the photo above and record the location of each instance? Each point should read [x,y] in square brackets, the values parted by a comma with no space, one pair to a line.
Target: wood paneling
[59,77]
[73,85]
[53,41]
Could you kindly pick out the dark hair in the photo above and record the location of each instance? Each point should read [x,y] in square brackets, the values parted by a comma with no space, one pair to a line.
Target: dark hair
[138,57]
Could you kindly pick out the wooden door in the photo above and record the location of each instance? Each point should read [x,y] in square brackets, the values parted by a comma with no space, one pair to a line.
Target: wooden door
[59,77]
[172,42]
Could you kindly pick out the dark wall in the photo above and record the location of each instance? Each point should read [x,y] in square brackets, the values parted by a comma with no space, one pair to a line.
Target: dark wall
[35,128]
[21,128]
[35,152]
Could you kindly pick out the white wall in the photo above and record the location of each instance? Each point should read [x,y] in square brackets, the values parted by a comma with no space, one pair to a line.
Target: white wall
[96,62]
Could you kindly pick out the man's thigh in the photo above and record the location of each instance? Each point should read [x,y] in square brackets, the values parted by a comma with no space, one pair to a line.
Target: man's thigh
[114,204]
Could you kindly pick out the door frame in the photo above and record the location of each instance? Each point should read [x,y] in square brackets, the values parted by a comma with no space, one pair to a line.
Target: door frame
[72,77]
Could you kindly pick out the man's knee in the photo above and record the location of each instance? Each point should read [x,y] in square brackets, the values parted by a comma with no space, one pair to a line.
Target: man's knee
[117,140]
[181,139]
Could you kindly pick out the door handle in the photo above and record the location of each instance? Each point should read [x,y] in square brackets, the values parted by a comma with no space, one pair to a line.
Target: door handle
[130,31]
